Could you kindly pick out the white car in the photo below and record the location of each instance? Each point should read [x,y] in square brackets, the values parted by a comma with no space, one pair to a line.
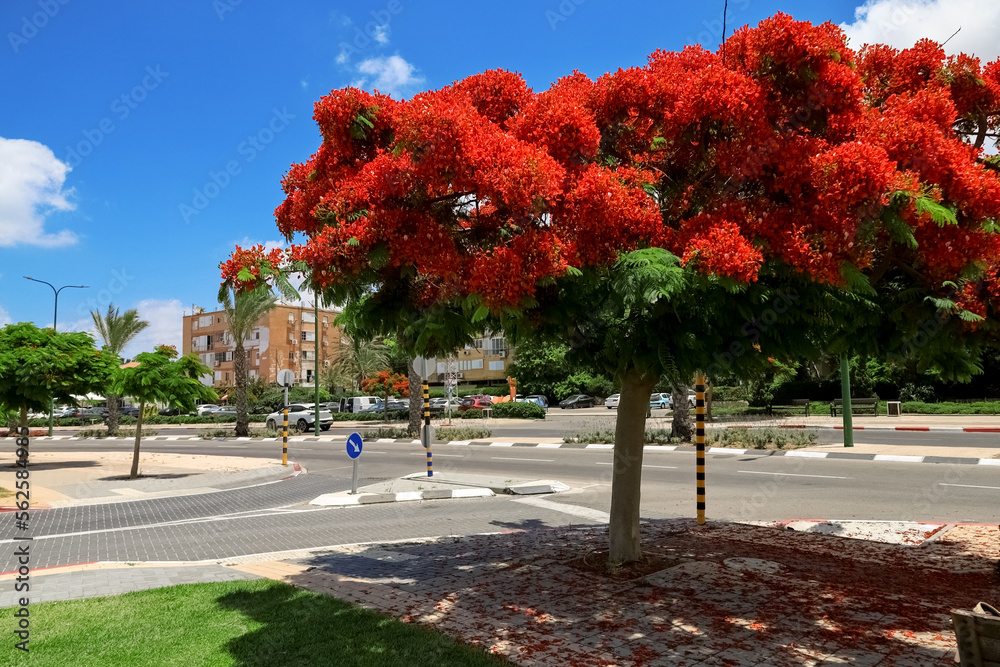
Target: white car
[612,401]
[301,415]
[206,410]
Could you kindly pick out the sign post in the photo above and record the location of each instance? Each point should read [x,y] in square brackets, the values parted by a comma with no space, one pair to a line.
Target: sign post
[423,367]
[354,446]
[285,379]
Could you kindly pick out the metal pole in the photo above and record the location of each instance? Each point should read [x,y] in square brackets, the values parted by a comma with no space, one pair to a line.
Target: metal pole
[316,357]
[284,438]
[699,403]
[354,478]
[426,433]
[845,395]
[55,317]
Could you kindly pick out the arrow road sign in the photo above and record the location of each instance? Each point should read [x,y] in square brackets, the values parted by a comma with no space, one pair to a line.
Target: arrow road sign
[354,445]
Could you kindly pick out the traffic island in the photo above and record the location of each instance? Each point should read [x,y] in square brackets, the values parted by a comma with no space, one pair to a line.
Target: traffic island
[419,486]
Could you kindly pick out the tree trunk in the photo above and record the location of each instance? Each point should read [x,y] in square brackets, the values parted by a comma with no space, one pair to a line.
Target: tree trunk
[138,436]
[630,436]
[114,414]
[416,404]
[681,425]
[240,390]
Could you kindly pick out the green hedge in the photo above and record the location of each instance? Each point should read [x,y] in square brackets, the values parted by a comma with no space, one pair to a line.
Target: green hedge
[474,413]
[519,411]
[979,408]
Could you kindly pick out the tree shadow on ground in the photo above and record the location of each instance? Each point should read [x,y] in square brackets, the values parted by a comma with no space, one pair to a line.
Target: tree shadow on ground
[166,475]
[828,598]
[296,627]
[56,465]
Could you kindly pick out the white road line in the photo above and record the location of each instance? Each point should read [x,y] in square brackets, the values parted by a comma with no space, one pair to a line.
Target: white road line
[644,465]
[969,486]
[454,456]
[899,458]
[596,516]
[789,474]
[808,455]
[511,458]
[232,446]
[368,451]
[604,463]
[599,447]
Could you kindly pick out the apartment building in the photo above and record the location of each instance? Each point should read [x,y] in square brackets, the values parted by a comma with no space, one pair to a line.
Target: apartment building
[283,339]
[484,362]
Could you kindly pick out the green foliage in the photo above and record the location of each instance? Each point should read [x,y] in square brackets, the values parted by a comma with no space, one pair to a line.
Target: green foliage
[474,413]
[764,438]
[654,436]
[542,367]
[158,379]
[100,433]
[921,393]
[386,432]
[518,411]
[462,433]
[37,365]
[117,329]
[726,394]
[949,408]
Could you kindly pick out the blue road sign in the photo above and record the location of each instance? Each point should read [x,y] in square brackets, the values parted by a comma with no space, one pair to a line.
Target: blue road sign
[354,445]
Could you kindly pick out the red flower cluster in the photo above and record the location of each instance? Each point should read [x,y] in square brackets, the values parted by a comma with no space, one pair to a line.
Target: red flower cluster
[790,150]
[386,383]
[253,260]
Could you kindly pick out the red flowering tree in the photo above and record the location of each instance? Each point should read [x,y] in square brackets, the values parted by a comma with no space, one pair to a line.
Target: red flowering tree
[651,214]
[388,384]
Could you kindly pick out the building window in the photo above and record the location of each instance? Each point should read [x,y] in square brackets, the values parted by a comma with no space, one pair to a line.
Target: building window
[194,325]
[309,336]
[291,356]
[205,321]
[256,335]
[308,317]
[496,365]
[220,356]
[227,376]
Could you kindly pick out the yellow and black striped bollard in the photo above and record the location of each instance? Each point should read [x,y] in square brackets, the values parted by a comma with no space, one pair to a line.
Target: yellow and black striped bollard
[284,439]
[427,429]
[699,439]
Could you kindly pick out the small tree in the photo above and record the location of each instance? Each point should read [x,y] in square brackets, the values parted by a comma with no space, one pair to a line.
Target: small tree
[387,383]
[116,330]
[39,365]
[243,311]
[154,376]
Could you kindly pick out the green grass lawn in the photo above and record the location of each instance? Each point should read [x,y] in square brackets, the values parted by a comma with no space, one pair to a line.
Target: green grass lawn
[259,622]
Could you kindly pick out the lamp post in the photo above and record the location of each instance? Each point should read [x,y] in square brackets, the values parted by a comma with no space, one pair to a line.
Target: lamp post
[55,316]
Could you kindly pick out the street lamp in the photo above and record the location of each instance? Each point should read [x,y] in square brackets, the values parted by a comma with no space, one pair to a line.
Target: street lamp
[55,315]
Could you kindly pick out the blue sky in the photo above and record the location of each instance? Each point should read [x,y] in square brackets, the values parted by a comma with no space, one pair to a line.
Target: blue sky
[140,141]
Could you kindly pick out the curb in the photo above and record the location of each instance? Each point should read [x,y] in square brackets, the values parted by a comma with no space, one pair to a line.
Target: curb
[331,500]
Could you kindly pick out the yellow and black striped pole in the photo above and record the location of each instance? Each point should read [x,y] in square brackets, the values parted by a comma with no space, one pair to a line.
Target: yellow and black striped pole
[699,439]
[284,439]
[427,429]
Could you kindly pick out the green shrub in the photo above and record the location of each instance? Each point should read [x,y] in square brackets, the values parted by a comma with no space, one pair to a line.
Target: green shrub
[122,433]
[519,411]
[209,434]
[474,413]
[463,433]
[738,393]
[654,436]
[386,432]
[978,408]
[764,438]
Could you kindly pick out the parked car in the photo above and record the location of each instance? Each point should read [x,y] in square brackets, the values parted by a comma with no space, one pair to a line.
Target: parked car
[441,404]
[171,412]
[394,405]
[128,411]
[659,401]
[301,415]
[612,401]
[475,403]
[222,411]
[357,403]
[205,410]
[84,413]
[578,401]
[538,399]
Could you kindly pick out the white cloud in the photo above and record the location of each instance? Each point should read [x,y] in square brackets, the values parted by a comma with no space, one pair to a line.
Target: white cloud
[248,242]
[166,326]
[900,23]
[391,75]
[4,317]
[382,34]
[31,187]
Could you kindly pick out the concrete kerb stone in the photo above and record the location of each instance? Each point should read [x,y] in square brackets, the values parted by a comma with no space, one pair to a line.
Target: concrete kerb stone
[336,500]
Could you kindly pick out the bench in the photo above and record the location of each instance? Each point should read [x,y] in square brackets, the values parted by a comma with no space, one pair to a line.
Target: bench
[858,406]
[795,404]
[978,635]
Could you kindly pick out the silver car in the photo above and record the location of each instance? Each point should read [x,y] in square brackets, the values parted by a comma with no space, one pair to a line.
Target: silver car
[302,416]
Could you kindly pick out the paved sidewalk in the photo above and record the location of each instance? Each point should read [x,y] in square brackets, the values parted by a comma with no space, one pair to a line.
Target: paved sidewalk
[89,582]
[724,594]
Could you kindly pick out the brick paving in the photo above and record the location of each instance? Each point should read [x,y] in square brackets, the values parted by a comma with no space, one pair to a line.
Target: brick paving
[806,599]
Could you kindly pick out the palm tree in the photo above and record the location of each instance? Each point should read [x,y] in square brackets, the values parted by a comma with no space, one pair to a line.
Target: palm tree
[116,330]
[356,360]
[243,311]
